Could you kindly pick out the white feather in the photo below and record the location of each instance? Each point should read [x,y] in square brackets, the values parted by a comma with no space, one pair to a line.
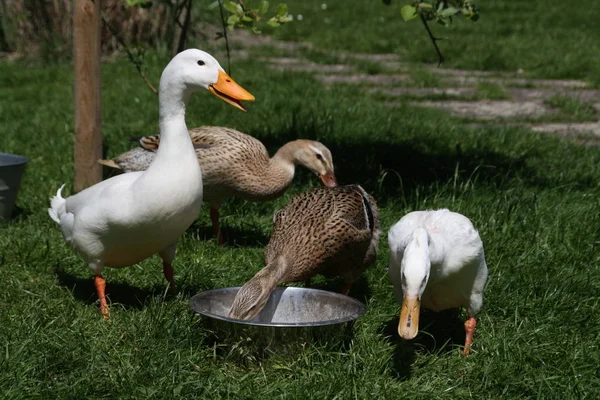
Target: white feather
[453,261]
[129,217]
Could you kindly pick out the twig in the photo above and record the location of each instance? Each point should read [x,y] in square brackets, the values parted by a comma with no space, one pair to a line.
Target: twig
[433,40]
[225,36]
[136,63]
[185,27]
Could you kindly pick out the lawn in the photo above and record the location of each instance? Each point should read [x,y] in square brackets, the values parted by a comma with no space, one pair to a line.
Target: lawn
[534,199]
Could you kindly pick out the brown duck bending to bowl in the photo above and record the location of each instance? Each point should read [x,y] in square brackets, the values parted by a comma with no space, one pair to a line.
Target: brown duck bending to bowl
[333,232]
[237,165]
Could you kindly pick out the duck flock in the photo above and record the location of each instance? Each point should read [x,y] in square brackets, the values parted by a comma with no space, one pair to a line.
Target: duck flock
[436,257]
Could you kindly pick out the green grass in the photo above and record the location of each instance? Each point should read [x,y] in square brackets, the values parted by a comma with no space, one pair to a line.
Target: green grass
[533,198]
[491,91]
[572,108]
[547,38]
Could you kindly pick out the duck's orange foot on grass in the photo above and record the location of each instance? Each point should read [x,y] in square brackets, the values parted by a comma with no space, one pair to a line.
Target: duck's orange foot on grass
[470,325]
[100,289]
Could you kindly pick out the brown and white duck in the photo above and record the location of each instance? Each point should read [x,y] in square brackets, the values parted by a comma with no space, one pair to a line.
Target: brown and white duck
[327,231]
[235,164]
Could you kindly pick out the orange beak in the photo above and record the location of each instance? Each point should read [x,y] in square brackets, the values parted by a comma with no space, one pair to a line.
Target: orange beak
[328,179]
[408,327]
[229,91]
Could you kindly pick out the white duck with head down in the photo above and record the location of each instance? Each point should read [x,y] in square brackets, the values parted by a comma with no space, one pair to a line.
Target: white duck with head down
[126,219]
[437,261]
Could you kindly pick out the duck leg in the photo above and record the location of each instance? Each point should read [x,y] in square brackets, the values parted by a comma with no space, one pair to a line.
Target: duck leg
[167,256]
[214,217]
[470,325]
[100,289]
[345,288]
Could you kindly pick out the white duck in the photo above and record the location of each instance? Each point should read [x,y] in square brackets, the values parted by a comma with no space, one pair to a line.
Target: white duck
[126,219]
[437,259]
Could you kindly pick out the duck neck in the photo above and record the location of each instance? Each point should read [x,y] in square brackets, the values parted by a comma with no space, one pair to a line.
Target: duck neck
[423,243]
[416,265]
[272,274]
[174,142]
[280,170]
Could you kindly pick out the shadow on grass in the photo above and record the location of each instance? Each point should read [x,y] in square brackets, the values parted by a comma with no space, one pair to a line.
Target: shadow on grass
[17,216]
[232,236]
[364,160]
[360,290]
[438,333]
[117,293]
[250,345]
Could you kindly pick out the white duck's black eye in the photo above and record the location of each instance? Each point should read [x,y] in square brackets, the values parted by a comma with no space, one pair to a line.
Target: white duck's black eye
[201,63]
[319,157]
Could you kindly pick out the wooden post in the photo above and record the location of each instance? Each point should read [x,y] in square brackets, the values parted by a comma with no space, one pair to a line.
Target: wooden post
[88,133]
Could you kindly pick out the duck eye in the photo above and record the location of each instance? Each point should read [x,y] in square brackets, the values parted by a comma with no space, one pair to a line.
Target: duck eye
[201,63]
[319,157]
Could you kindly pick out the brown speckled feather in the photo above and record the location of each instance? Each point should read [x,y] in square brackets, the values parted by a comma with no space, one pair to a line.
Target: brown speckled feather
[233,164]
[333,232]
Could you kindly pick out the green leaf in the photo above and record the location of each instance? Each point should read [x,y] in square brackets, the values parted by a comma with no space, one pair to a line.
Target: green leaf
[230,6]
[246,18]
[263,7]
[281,10]
[448,12]
[274,24]
[177,390]
[408,12]
[138,3]
[232,20]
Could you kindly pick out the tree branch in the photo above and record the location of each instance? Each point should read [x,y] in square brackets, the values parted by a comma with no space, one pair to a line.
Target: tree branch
[138,65]
[185,27]
[225,36]
[433,40]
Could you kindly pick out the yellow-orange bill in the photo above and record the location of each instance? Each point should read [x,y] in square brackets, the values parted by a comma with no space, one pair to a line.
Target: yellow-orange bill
[408,327]
[227,90]
[328,179]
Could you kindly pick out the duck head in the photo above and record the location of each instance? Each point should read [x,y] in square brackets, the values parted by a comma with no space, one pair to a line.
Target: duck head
[415,269]
[249,301]
[317,158]
[193,70]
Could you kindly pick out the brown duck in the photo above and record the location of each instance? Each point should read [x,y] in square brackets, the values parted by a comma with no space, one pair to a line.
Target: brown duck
[328,231]
[237,165]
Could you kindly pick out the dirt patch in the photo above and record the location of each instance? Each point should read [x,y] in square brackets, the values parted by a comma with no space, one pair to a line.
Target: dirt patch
[490,109]
[587,95]
[590,128]
[585,133]
[374,57]
[424,92]
[461,73]
[246,38]
[527,96]
[473,80]
[304,65]
[364,78]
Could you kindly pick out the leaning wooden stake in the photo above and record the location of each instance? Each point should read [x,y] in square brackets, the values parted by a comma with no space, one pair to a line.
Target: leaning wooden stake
[88,133]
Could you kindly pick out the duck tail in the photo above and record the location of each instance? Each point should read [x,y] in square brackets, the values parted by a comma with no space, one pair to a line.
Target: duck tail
[109,163]
[57,206]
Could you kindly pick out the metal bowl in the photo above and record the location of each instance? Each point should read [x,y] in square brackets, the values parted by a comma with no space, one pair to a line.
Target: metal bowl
[287,307]
[12,167]
[292,318]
